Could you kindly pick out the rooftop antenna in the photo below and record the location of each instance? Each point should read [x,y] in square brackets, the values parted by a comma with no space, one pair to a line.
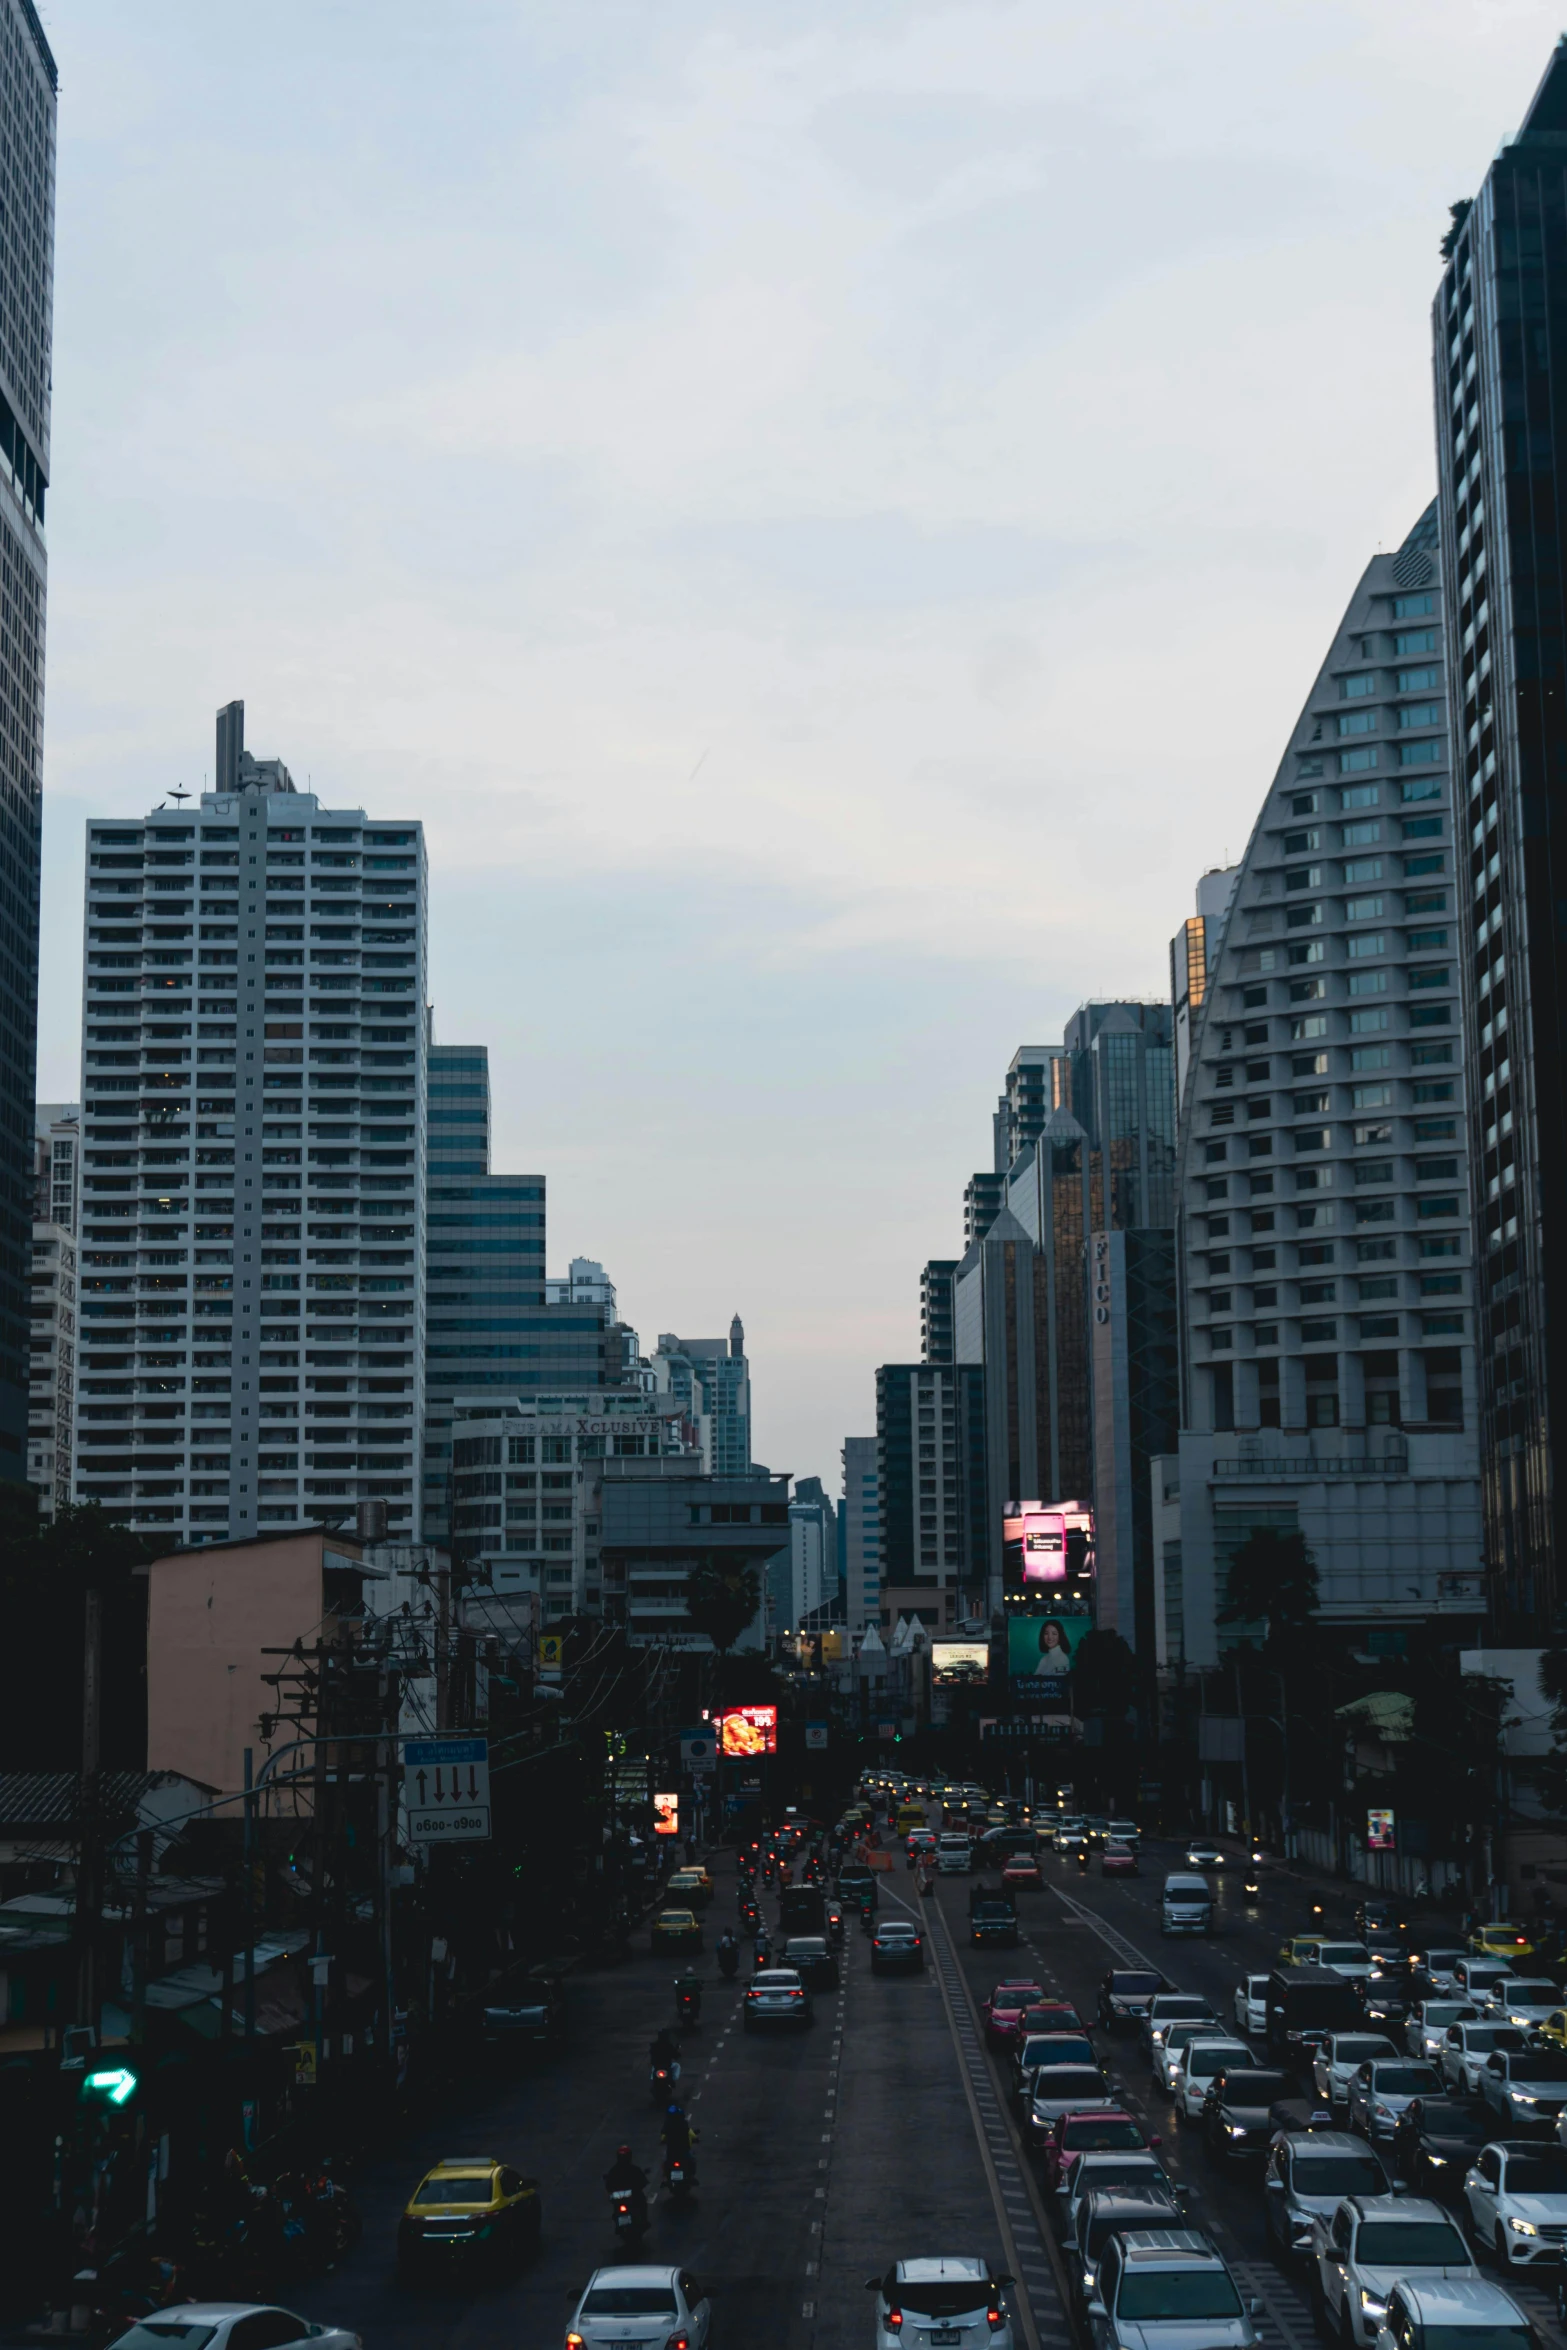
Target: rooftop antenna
[179,795]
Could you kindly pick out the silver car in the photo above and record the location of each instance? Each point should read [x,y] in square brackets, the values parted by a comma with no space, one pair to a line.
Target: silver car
[1466,2048]
[1173,2007]
[1382,2091]
[1526,2001]
[1340,2057]
[952,2297]
[1251,2004]
[1426,2031]
[1308,2174]
[1369,2244]
[1167,2289]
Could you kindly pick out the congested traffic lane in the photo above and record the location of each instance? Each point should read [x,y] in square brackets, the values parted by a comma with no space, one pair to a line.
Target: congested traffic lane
[823,2155]
[1080,1925]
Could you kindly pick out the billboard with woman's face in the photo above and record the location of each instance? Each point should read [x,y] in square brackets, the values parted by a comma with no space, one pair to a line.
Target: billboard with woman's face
[1040,1654]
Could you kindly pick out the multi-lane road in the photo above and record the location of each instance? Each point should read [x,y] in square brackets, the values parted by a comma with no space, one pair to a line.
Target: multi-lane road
[882,2132]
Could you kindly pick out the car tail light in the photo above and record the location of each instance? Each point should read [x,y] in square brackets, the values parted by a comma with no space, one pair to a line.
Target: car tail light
[996,2317]
[895,2318]
[574,2342]
[678,2342]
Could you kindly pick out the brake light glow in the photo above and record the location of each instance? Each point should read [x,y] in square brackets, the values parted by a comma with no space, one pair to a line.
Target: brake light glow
[895,2319]
[678,2342]
[996,2317]
[574,2342]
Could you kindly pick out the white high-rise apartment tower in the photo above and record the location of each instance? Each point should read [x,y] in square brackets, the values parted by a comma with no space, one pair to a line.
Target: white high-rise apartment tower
[251,1345]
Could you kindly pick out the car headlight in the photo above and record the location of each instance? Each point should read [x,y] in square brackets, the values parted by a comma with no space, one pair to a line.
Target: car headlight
[1373,2304]
[1522,2097]
[1523,2227]
[1436,2161]
[1237,2129]
[1088,2280]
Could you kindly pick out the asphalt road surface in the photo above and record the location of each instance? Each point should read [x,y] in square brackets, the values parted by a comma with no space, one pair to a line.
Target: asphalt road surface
[882,2132]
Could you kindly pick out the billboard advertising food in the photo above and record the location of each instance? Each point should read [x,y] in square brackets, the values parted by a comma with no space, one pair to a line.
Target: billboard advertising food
[956,1664]
[1040,1654]
[748,1730]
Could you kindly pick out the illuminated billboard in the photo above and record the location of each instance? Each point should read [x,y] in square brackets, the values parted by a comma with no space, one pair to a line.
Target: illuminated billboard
[1381,1833]
[666,1815]
[958,1664]
[744,1730]
[1048,1542]
[1041,1651]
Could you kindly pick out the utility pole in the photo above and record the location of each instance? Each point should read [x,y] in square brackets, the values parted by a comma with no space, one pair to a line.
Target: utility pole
[248,1902]
[140,1930]
[443,1646]
[89,1868]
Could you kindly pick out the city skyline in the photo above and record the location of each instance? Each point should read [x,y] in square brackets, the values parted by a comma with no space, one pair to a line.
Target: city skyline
[755,678]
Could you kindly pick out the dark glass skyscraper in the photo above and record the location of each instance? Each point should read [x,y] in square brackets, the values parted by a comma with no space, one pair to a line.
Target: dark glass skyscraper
[1499,332]
[28,86]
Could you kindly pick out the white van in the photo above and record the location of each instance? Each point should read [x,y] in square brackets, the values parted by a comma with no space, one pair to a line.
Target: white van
[1187,1907]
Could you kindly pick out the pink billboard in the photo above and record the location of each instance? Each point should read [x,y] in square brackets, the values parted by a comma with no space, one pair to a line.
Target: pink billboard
[1041,1539]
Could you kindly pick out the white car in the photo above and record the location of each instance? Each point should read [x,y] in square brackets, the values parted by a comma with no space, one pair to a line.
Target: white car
[669,2299]
[1195,2067]
[1427,2028]
[1251,2003]
[1202,1853]
[1167,2056]
[1369,2244]
[1517,2198]
[1352,1960]
[954,1855]
[1466,2048]
[1525,2001]
[233,2325]
[1068,1832]
[1174,2007]
[1340,2057]
[1458,2314]
[952,2298]
[1477,1978]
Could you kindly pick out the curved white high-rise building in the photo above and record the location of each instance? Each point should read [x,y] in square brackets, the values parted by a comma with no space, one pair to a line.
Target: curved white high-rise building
[1324,1237]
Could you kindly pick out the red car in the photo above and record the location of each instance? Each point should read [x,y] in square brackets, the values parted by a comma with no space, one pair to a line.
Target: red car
[1003,2010]
[1118,1860]
[1021,1869]
[1088,2133]
[1051,2015]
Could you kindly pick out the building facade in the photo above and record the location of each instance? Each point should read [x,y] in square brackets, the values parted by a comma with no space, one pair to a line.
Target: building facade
[1328,1356]
[527,1488]
[859,1517]
[663,1520]
[252,1342]
[936,1309]
[932,1493]
[711,1379]
[1501,428]
[28,99]
[52,1300]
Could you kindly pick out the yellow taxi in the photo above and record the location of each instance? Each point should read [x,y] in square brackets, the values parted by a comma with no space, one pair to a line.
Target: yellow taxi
[677,1929]
[1510,1940]
[1554,2028]
[692,1886]
[1301,1949]
[470,2207]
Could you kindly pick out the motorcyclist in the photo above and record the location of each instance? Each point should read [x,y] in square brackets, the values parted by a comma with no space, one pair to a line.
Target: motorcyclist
[679,2142]
[625,2176]
[761,1950]
[664,2055]
[728,1953]
[688,1995]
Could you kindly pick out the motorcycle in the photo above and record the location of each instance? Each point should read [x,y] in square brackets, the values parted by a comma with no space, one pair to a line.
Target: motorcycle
[750,1918]
[630,2214]
[679,2177]
[834,1923]
[688,2000]
[661,2082]
[728,1960]
[1083,1856]
[1251,1890]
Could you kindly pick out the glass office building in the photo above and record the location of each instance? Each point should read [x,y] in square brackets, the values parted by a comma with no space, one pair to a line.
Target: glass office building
[1501,418]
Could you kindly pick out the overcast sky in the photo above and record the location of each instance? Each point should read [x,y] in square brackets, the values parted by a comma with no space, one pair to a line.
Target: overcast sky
[828,514]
